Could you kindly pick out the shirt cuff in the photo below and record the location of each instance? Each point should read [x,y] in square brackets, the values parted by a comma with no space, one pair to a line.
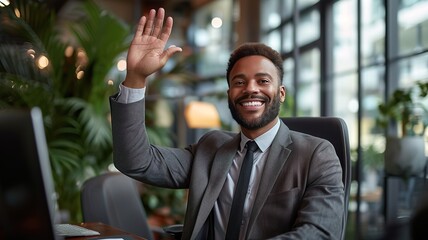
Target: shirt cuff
[130,95]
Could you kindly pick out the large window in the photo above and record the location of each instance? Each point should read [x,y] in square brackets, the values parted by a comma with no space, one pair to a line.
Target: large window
[297,37]
[344,58]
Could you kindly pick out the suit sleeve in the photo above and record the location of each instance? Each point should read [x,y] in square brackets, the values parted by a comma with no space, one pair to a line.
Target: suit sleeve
[134,156]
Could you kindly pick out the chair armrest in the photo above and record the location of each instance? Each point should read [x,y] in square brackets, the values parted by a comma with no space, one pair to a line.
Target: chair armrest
[175,230]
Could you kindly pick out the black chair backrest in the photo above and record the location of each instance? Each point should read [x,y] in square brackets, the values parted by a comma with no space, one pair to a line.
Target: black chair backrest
[113,198]
[334,130]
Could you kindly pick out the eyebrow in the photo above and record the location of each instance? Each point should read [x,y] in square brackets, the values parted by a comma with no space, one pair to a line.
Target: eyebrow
[261,74]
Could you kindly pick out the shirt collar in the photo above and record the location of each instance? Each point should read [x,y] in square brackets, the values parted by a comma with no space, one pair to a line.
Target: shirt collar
[263,141]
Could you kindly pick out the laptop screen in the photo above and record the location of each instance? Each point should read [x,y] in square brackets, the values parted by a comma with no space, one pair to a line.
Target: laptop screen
[26,186]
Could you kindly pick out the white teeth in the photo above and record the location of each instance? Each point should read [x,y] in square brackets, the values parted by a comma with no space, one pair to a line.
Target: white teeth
[251,104]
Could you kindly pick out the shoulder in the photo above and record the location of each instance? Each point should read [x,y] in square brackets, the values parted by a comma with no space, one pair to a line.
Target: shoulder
[306,142]
[217,136]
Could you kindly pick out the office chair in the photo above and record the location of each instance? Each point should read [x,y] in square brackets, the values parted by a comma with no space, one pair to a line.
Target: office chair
[332,129]
[113,198]
[335,131]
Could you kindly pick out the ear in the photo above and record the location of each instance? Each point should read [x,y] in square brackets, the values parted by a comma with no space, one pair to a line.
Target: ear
[282,93]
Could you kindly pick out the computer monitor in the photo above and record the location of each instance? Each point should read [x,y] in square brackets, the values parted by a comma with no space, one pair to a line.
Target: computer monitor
[27,200]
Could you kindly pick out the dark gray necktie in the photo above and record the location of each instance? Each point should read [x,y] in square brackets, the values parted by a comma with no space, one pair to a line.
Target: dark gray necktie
[235,217]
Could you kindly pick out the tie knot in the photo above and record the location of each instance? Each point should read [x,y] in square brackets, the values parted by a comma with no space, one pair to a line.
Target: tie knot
[251,146]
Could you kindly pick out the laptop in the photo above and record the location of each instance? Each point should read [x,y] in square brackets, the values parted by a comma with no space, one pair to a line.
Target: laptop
[27,196]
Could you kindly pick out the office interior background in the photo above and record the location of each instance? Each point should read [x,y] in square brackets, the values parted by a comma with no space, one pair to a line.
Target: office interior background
[341,58]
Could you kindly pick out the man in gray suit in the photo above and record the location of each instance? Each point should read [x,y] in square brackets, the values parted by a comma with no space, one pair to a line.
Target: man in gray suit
[295,190]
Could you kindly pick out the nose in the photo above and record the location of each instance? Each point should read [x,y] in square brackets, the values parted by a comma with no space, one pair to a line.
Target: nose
[252,86]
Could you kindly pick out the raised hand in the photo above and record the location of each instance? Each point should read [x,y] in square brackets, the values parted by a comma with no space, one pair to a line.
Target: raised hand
[147,53]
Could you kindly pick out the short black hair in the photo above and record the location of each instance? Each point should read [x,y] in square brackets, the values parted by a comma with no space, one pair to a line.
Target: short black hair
[251,49]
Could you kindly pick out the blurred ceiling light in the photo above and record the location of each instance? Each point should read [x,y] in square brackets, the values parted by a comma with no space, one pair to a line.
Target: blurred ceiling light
[216,22]
[4,3]
[201,115]
[121,65]
[17,13]
[42,62]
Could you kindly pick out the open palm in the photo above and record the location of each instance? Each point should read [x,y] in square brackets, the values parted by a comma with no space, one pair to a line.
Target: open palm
[147,53]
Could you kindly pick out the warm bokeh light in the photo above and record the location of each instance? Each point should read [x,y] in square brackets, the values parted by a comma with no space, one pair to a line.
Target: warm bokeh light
[31,53]
[81,53]
[82,58]
[80,74]
[110,82]
[4,3]
[202,115]
[42,62]
[121,65]
[17,13]
[216,22]
[69,51]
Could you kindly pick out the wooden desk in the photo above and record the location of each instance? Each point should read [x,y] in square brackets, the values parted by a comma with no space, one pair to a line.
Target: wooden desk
[105,231]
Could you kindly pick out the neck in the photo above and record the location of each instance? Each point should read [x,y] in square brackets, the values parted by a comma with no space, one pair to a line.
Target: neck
[254,133]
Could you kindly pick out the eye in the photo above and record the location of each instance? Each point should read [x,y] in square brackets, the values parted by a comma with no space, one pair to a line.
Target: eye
[238,82]
[264,81]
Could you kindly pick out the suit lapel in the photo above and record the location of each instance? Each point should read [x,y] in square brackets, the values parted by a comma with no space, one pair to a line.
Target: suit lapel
[220,167]
[278,155]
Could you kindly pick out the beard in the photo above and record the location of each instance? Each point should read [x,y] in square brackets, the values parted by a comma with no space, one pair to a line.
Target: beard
[270,113]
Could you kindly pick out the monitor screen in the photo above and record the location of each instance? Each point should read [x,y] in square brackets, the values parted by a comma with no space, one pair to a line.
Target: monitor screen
[26,186]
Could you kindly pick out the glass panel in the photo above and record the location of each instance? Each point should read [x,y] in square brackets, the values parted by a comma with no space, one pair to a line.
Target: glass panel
[345,103]
[308,28]
[346,106]
[372,148]
[287,8]
[373,31]
[287,42]
[273,39]
[270,16]
[288,81]
[412,70]
[345,36]
[412,18]
[424,34]
[305,3]
[308,101]
[212,41]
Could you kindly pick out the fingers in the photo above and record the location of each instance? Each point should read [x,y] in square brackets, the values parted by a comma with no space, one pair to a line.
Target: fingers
[166,32]
[148,28]
[158,22]
[171,50]
[152,24]
[140,27]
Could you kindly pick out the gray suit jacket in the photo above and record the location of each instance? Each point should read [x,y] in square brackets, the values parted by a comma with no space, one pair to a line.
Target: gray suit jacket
[301,192]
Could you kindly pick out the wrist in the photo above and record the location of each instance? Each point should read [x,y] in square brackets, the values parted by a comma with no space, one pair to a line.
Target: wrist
[134,81]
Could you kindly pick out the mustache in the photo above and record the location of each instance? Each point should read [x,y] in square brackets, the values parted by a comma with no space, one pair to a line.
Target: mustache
[253,97]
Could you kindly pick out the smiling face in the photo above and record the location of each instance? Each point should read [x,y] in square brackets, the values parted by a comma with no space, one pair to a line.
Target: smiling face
[255,94]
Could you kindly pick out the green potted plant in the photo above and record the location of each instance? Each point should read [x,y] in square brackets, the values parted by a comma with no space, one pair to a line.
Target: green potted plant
[405,145]
[75,108]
